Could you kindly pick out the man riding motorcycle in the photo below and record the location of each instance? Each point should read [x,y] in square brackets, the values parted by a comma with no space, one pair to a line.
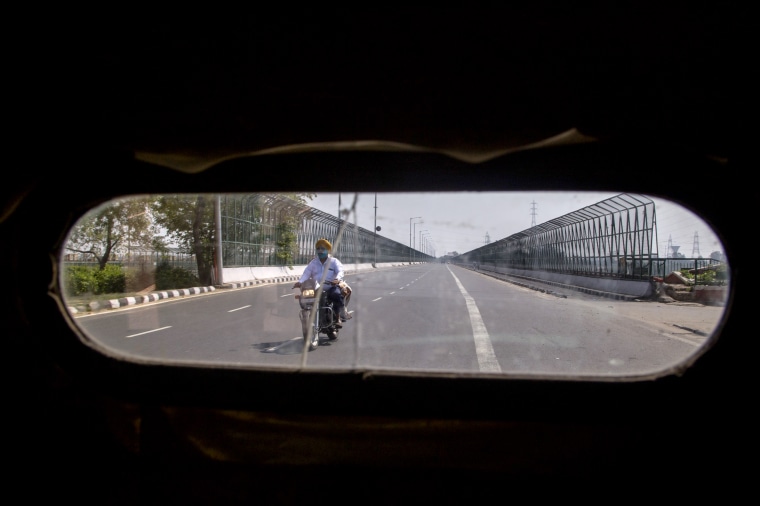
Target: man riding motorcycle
[327,271]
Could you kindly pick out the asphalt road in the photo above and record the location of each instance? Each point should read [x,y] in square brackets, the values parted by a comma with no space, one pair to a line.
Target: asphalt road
[427,318]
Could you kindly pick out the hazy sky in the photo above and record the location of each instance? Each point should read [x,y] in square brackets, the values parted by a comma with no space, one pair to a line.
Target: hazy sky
[447,222]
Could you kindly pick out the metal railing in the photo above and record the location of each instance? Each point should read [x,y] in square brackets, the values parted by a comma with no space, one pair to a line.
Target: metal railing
[614,238]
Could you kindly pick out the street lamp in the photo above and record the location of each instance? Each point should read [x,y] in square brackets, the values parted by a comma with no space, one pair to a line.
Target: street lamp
[415,237]
[419,245]
[374,264]
[410,236]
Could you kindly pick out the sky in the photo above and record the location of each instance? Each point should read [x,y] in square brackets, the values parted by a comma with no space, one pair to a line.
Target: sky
[441,223]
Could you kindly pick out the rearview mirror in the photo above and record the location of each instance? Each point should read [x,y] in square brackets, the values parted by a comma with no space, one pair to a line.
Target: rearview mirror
[517,284]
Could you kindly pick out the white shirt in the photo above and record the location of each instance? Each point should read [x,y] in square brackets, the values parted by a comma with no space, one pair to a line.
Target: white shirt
[315,269]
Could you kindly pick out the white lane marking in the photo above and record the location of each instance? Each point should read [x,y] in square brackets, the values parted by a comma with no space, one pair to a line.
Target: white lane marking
[275,348]
[391,293]
[238,309]
[483,346]
[687,341]
[375,300]
[148,332]
[287,295]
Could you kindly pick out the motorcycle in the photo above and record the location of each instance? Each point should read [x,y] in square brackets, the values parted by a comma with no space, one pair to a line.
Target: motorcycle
[317,314]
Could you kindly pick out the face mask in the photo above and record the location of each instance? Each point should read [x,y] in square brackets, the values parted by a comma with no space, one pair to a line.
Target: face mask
[322,255]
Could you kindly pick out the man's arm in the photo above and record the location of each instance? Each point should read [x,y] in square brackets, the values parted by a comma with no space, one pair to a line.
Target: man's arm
[306,274]
[339,271]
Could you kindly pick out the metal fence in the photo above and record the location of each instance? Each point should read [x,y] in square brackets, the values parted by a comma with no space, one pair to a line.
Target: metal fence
[701,268]
[141,259]
[616,238]
[267,229]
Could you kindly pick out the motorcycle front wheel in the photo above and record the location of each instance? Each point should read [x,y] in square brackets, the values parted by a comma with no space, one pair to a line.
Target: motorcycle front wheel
[310,336]
[314,340]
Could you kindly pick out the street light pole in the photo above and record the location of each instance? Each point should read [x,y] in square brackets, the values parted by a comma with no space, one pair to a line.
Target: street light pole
[415,237]
[374,264]
[410,236]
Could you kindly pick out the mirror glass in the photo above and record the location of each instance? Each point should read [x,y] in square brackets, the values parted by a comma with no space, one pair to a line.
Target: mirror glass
[519,284]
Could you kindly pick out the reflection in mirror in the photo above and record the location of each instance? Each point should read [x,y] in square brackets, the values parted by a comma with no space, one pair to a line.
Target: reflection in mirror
[517,284]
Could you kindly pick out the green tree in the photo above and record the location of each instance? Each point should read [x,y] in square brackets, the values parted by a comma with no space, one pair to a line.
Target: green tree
[301,198]
[287,228]
[189,221]
[262,219]
[286,242]
[122,223]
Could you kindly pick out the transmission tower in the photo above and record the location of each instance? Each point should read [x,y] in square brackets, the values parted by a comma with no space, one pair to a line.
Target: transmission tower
[695,246]
[487,239]
[533,214]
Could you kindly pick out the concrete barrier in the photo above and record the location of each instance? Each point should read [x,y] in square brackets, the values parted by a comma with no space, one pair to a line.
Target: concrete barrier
[711,295]
[636,288]
[234,275]
[243,274]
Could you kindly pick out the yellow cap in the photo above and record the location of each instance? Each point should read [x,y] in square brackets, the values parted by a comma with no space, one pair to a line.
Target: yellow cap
[325,243]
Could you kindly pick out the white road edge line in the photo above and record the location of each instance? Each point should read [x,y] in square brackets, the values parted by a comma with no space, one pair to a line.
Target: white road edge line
[483,346]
